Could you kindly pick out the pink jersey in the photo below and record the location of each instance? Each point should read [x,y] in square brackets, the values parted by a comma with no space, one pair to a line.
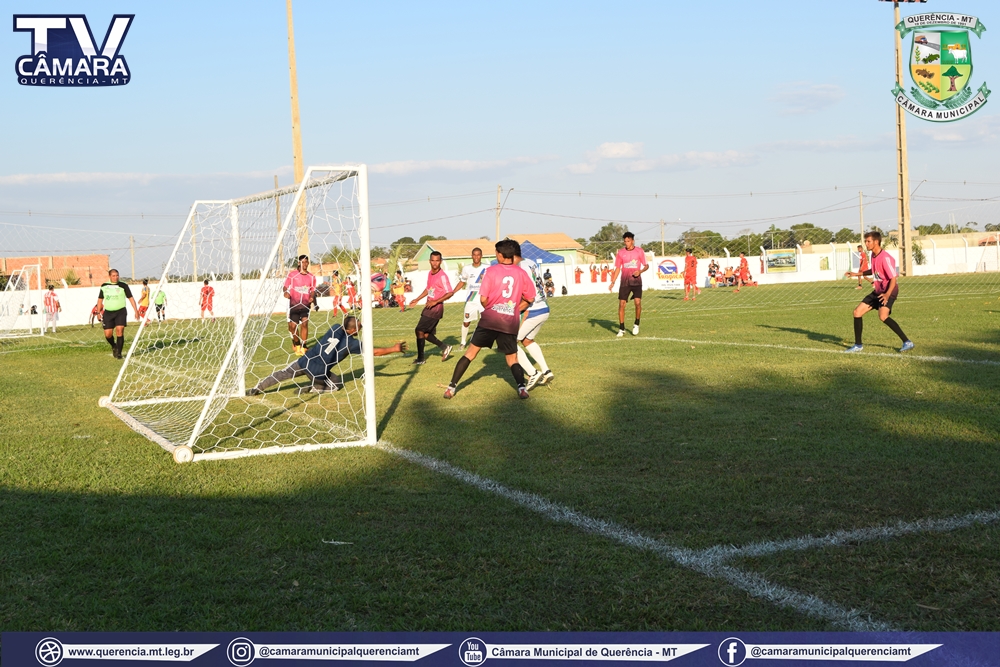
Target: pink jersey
[300,287]
[883,271]
[51,302]
[438,285]
[630,261]
[503,287]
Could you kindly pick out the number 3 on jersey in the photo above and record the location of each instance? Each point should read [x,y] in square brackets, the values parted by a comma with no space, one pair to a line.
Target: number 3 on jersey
[508,289]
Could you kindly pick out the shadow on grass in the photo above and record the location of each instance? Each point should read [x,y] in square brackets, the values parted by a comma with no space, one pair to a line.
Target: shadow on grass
[811,335]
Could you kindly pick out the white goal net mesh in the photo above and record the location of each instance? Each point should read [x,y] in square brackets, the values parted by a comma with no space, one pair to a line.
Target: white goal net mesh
[217,326]
[21,303]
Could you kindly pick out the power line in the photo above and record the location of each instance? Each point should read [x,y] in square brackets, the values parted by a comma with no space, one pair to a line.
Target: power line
[657,195]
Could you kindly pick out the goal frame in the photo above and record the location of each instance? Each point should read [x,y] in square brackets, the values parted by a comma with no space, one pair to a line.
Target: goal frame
[184,451]
[15,332]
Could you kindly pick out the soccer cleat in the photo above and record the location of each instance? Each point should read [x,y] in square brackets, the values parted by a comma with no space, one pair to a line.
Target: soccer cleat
[450,391]
[908,345]
[301,351]
[419,362]
[254,391]
[635,330]
[547,377]
[854,348]
[621,332]
[445,353]
[533,380]
[522,392]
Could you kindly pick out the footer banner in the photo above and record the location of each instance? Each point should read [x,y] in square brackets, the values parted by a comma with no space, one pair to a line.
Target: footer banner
[474,649]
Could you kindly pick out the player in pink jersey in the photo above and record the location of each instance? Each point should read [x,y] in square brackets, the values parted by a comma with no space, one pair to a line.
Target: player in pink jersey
[631,263]
[437,292]
[883,273]
[300,286]
[505,291]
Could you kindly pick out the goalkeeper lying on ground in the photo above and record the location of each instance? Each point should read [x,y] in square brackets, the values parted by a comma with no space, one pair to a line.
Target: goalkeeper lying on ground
[338,343]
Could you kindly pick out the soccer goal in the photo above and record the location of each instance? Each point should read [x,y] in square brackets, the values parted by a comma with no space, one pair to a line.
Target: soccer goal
[21,303]
[217,325]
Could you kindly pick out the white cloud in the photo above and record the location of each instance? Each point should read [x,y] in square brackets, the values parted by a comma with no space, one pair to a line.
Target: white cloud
[403,167]
[975,130]
[802,97]
[582,168]
[839,144]
[690,160]
[617,149]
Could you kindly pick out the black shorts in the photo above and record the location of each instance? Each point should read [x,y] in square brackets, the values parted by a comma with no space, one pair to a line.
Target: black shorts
[298,313]
[115,318]
[506,343]
[160,307]
[873,302]
[625,289]
[427,325]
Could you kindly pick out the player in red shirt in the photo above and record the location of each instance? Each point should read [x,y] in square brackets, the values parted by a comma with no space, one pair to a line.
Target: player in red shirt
[506,291]
[863,254]
[577,274]
[207,295]
[743,273]
[631,263]
[691,275]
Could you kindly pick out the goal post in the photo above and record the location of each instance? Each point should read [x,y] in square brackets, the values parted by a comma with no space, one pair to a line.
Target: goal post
[21,303]
[223,327]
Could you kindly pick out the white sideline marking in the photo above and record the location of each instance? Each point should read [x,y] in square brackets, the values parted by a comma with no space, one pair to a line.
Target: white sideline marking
[890,355]
[749,582]
[840,538]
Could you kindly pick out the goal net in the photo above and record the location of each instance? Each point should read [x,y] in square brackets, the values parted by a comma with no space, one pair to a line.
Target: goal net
[21,303]
[217,325]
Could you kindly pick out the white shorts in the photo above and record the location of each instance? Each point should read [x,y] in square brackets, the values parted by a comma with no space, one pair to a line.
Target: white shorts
[531,326]
[472,309]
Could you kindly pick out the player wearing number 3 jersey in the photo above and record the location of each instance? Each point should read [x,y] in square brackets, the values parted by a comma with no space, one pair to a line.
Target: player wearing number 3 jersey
[505,292]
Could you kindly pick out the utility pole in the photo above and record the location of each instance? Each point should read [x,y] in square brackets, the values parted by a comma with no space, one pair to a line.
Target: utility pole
[905,256]
[499,190]
[661,237]
[302,224]
[131,251]
[861,212]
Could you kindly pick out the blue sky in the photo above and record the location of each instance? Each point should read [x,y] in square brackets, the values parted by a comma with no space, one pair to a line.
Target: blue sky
[443,99]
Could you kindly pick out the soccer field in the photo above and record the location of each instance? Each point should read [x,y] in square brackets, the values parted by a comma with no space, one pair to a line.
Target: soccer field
[728,468]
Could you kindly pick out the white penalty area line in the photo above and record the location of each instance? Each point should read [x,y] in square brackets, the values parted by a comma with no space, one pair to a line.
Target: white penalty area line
[791,348]
[708,565]
[859,535]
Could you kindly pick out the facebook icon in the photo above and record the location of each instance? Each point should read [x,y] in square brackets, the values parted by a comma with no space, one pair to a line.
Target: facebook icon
[732,651]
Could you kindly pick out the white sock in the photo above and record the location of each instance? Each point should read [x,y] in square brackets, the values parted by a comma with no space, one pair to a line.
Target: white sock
[522,359]
[536,354]
[465,334]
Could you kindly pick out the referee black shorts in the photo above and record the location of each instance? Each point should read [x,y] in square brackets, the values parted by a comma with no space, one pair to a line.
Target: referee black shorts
[115,318]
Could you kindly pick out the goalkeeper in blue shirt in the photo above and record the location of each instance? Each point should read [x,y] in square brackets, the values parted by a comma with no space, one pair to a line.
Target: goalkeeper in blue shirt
[338,343]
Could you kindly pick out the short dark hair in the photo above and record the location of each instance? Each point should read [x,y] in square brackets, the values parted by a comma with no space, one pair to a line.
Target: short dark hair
[351,322]
[145,281]
[110,271]
[206,281]
[479,249]
[628,235]
[437,253]
[508,248]
[48,287]
[874,235]
[689,250]
[303,257]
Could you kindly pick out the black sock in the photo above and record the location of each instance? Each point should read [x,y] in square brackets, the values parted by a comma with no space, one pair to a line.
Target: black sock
[420,348]
[518,374]
[121,343]
[621,325]
[111,341]
[434,340]
[460,367]
[637,321]
[891,323]
[858,324]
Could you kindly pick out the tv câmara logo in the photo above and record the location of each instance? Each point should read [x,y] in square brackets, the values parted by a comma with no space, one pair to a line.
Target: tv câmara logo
[941,67]
[63,51]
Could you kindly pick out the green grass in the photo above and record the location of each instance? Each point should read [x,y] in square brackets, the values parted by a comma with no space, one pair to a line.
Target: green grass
[698,444]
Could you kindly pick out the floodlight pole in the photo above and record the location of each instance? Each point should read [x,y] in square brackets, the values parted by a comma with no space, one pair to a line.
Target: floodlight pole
[661,237]
[302,223]
[499,190]
[903,171]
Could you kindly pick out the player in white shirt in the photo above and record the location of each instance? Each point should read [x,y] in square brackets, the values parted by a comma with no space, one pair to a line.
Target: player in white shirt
[471,277]
[534,318]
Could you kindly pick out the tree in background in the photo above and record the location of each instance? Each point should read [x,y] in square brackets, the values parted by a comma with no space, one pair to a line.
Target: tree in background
[71,278]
